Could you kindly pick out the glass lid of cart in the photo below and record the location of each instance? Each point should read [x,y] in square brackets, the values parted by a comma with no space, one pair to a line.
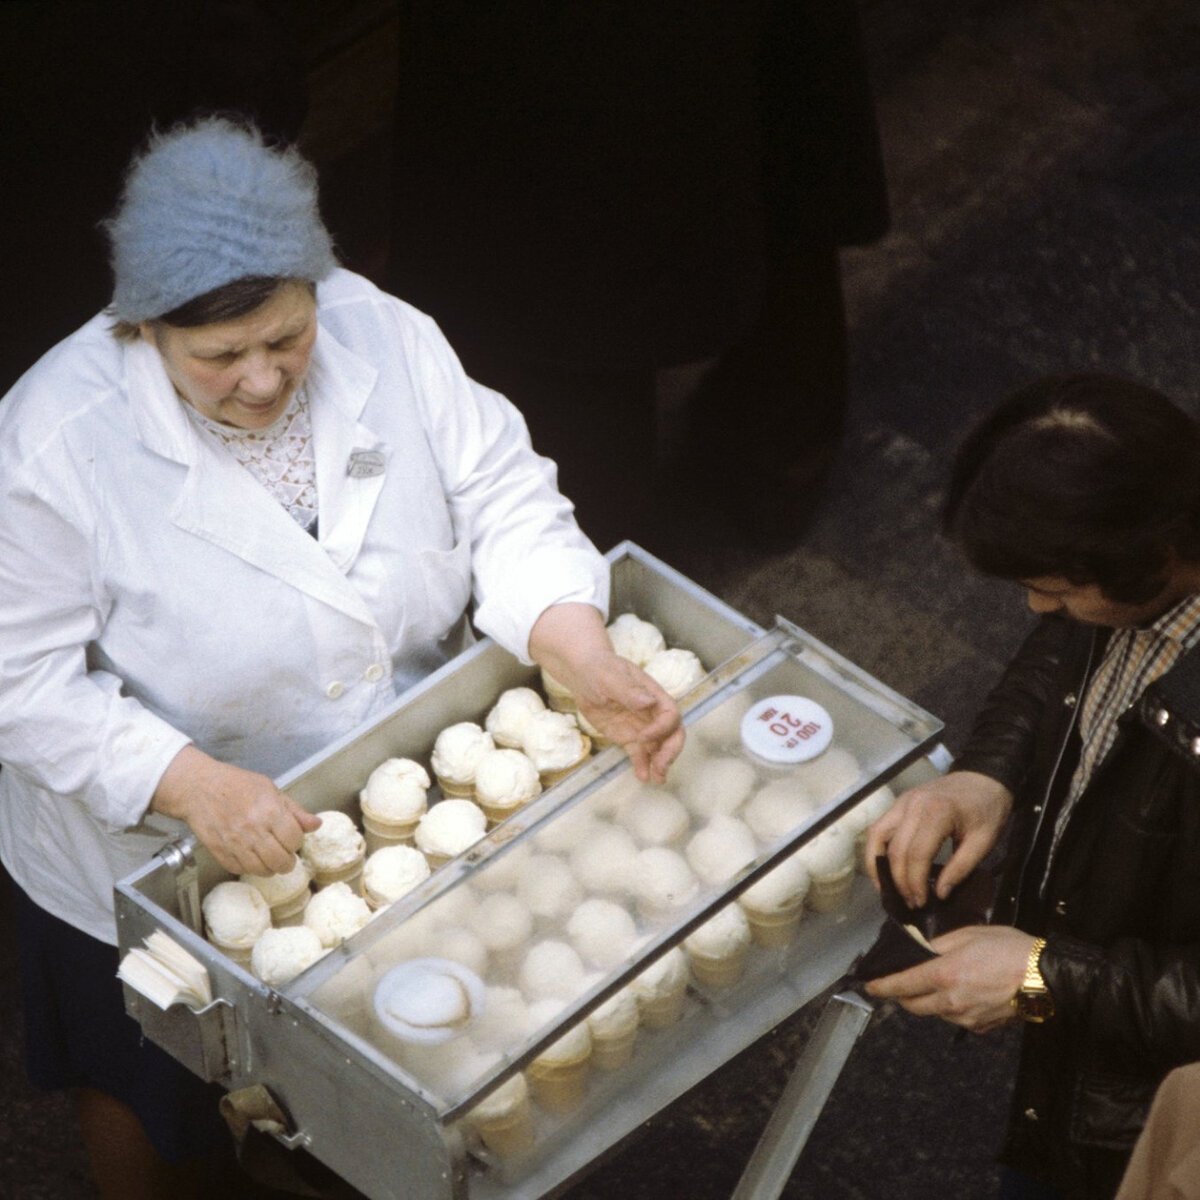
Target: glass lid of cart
[552,953]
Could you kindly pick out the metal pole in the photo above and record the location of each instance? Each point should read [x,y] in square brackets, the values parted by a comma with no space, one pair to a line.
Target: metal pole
[812,1080]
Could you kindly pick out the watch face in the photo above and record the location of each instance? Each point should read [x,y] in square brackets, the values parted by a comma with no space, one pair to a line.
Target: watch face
[1035,1006]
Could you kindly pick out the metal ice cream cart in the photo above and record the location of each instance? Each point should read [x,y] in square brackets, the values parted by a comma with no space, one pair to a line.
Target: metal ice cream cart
[396,1124]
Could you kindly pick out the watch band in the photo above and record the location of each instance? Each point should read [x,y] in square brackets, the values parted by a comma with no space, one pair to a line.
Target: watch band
[1033,980]
[1032,1001]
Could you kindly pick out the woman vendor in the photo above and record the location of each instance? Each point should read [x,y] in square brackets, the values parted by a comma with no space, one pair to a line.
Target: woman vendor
[239,512]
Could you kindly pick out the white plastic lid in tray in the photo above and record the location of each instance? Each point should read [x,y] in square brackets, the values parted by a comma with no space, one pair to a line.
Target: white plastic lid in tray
[428,1000]
[786,729]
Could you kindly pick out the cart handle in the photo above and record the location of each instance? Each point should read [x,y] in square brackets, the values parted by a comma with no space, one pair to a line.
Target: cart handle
[812,1080]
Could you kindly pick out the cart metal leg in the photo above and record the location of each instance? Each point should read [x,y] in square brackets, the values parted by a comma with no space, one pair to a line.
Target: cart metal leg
[812,1080]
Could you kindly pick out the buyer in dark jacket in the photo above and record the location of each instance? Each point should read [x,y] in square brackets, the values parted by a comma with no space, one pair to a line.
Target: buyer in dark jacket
[1086,491]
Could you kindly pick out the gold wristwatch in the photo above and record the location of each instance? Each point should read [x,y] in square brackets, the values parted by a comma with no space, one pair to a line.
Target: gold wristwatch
[1033,1001]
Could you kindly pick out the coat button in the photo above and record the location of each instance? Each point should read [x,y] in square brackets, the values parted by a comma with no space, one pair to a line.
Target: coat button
[1161,717]
[374,673]
[1069,700]
[1061,908]
[335,689]
[1031,1114]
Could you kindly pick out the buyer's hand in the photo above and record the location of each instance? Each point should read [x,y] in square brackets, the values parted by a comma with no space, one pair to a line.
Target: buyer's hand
[247,823]
[965,806]
[617,697]
[972,981]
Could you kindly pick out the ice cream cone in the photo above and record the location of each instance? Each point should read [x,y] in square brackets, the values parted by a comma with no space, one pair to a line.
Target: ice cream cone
[612,1051]
[613,1026]
[559,1086]
[829,892]
[551,777]
[350,874]
[496,813]
[504,1121]
[776,927]
[454,790]
[718,971]
[291,911]
[662,1011]
[237,954]
[509,1134]
[388,833]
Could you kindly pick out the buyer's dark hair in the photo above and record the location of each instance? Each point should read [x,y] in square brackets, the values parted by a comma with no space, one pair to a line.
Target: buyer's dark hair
[1088,477]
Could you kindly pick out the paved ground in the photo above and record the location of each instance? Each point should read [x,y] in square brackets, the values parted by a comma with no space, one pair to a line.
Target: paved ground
[1043,157]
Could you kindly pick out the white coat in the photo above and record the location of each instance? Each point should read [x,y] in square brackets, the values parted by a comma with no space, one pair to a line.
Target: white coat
[153,593]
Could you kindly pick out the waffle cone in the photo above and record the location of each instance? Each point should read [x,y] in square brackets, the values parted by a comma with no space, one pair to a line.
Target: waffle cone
[452,790]
[774,928]
[609,1053]
[549,778]
[496,813]
[291,911]
[510,1133]
[829,892]
[350,874]
[559,1087]
[388,833]
[718,971]
[374,900]
[661,1012]
[237,954]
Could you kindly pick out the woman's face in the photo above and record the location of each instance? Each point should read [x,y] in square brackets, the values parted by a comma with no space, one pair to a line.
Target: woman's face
[242,372]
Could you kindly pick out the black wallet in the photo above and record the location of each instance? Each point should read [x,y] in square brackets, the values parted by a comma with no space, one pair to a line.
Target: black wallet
[903,937]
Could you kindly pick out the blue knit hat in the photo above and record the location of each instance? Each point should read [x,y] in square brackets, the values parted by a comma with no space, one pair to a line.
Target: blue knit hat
[206,204]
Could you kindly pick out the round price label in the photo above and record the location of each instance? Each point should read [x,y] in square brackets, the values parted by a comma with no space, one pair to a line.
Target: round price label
[787,729]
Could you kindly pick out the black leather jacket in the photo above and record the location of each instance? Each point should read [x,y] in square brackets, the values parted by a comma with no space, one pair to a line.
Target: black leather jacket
[1120,906]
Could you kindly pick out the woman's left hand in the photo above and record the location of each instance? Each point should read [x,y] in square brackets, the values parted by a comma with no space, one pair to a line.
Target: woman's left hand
[616,696]
[629,708]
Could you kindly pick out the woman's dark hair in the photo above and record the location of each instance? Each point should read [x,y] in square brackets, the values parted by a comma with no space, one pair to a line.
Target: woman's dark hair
[225,303]
[1088,477]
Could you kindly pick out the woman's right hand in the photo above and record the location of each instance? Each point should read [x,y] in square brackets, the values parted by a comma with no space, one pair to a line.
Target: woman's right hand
[966,806]
[246,822]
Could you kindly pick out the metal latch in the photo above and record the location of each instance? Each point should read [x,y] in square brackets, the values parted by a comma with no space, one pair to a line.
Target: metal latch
[217,1024]
[180,857]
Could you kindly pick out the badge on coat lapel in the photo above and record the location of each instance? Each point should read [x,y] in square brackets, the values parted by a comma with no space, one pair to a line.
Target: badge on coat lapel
[365,463]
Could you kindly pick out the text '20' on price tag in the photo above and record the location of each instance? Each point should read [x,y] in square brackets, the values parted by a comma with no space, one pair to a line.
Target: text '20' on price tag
[787,729]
